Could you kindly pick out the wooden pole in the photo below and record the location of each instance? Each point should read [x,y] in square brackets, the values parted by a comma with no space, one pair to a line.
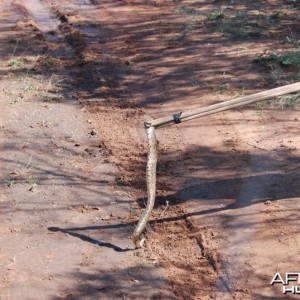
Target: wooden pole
[237,102]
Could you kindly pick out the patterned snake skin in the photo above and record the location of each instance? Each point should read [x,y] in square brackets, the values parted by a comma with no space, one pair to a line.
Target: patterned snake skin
[151,187]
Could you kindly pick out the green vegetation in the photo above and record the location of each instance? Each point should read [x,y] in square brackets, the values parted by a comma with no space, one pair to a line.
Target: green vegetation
[282,67]
[12,40]
[22,176]
[14,62]
[285,59]
[236,26]
[237,29]
[240,92]
[218,88]
[215,15]
[221,88]
[28,86]
[275,17]
[289,59]
[289,101]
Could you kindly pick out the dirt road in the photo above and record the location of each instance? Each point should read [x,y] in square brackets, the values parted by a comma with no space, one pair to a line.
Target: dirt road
[65,225]
[79,78]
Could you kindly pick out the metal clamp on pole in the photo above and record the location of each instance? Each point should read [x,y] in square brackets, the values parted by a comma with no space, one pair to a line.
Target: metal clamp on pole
[177,118]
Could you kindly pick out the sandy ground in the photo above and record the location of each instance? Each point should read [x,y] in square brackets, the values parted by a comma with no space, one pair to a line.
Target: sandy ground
[65,225]
[79,79]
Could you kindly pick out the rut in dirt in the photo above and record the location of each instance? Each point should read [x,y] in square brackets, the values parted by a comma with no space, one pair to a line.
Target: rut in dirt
[51,23]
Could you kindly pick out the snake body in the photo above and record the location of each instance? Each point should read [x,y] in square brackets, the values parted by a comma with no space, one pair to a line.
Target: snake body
[151,187]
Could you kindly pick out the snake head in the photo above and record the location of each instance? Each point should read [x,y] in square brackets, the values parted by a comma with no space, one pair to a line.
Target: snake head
[138,242]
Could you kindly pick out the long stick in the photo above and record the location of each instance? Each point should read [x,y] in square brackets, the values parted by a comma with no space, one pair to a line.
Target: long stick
[203,111]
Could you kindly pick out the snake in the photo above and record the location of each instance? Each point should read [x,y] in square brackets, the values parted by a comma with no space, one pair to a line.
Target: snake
[137,238]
